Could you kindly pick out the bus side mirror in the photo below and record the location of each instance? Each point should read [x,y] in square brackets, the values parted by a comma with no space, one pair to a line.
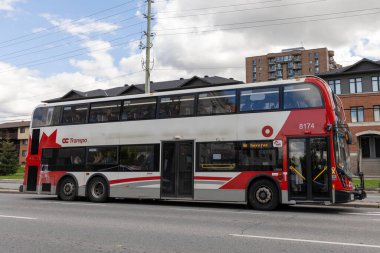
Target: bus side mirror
[348,137]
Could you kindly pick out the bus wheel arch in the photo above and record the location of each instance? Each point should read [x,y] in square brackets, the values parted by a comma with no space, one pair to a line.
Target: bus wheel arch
[67,188]
[97,188]
[263,193]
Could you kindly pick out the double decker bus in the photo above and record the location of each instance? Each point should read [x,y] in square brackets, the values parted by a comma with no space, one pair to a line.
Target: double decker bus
[265,144]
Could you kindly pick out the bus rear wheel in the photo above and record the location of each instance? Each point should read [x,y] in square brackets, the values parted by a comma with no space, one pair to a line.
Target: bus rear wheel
[263,195]
[98,190]
[67,189]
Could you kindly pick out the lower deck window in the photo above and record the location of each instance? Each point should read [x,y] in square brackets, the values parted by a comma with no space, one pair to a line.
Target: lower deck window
[239,156]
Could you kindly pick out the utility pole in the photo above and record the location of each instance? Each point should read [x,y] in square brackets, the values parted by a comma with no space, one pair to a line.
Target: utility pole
[147,48]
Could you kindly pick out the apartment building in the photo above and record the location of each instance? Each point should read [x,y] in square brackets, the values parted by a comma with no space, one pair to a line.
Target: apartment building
[288,64]
[18,133]
[358,87]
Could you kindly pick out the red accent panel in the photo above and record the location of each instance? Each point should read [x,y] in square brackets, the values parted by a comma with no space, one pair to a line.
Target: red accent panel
[212,178]
[134,179]
[295,123]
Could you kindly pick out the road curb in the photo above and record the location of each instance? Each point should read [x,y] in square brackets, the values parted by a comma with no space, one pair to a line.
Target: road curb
[12,191]
[363,205]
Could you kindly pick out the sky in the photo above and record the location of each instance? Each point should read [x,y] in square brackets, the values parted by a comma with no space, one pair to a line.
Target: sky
[49,47]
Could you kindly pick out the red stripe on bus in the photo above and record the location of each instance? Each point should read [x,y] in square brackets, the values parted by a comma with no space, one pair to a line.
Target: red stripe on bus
[134,179]
[212,178]
[241,181]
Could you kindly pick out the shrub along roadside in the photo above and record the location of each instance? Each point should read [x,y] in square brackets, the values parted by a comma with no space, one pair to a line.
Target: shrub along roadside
[8,158]
[18,175]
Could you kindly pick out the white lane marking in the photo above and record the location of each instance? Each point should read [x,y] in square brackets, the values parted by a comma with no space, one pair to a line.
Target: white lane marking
[365,214]
[310,241]
[72,203]
[212,211]
[17,217]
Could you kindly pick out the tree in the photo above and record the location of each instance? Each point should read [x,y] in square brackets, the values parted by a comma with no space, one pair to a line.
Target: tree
[8,158]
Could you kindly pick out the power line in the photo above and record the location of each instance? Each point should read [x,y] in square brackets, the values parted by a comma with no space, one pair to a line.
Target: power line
[279,19]
[258,26]
[241,10]
[35,62]
[50,48]
[222,6]
[68,37]
[73,21]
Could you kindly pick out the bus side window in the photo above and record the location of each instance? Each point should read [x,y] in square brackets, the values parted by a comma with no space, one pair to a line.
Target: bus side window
[302,96]
[259,99]
[217,102]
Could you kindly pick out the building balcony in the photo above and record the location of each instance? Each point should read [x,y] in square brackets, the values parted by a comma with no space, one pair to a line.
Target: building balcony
[297,58]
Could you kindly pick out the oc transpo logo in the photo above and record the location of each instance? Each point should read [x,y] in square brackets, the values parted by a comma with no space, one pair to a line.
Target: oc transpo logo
[74,140]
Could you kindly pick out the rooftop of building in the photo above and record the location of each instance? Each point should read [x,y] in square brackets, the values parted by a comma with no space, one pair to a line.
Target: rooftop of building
[15,124]
[354,68]
[182,83]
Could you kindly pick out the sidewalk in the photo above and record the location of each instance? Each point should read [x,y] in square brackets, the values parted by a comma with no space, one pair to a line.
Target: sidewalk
[10,185]
[372,200]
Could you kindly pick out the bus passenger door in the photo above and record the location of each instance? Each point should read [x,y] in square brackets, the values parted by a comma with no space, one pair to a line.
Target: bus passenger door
[309,169]
[177,169]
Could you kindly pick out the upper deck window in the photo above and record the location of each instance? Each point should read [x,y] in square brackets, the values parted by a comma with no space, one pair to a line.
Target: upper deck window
[259,99]
[74,114]
[105,111]
[217,102]
[302,96]
[140,108]
[177,106]
[46,116]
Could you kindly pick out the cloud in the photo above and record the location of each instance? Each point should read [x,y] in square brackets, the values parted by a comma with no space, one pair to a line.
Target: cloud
[245,29]
[84,26]
[9,5]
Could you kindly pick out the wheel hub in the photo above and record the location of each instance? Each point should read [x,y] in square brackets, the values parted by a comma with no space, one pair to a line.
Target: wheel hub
[98,189]
[68,189]
[263,195]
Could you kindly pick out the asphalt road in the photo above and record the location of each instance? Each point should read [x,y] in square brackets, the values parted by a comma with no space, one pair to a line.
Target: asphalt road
[34,223]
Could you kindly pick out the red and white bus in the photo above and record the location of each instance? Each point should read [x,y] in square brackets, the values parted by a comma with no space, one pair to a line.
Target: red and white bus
[265,144]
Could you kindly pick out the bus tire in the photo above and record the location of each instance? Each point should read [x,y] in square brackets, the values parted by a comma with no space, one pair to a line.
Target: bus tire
[263,195]
[67,189]
[98,190]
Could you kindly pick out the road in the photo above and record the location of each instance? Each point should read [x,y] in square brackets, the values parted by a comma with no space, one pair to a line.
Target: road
[34,223]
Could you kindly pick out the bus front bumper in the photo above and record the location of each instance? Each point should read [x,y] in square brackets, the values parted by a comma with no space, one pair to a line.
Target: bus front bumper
[348,196]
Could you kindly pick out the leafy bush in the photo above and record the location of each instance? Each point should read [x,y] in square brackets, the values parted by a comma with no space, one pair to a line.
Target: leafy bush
[8,158]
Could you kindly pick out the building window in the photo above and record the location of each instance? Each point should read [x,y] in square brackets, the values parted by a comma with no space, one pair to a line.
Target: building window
[22,130]
[357,114]
[376,83]
[316,70]
[356,85]
[376,113]
[24,142]
[254,62]
[254,68]
[335,86]
[23,153]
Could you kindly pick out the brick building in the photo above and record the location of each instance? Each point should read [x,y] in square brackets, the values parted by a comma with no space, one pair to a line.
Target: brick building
[288,64]
[358,86]
[18,133]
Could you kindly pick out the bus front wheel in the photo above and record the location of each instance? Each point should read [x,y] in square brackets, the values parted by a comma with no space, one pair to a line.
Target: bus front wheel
[98,190]
[263,195]
[67,189]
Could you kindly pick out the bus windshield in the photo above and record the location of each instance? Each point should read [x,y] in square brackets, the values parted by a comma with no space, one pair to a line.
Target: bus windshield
[342,157]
